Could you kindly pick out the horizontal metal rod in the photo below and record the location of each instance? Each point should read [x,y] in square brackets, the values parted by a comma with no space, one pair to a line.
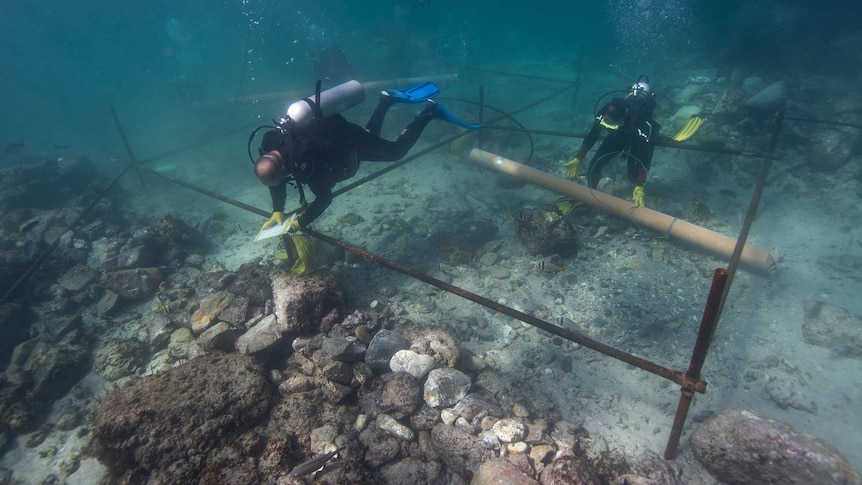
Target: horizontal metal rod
[661,143]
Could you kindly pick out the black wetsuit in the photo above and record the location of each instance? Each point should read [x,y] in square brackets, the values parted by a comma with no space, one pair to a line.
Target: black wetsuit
[329,151]
[635,135]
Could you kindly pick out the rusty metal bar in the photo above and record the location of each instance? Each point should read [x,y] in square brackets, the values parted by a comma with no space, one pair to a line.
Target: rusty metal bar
[701,346]
[661,143]
[578,338]
[721,284]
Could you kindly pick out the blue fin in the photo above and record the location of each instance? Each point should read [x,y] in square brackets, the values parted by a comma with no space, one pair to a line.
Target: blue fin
[446,115]
[418,93]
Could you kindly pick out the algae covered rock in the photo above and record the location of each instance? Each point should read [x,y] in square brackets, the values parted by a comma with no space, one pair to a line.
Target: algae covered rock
[166,426]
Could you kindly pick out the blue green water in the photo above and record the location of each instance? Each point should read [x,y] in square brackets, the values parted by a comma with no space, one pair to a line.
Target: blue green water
[64,63]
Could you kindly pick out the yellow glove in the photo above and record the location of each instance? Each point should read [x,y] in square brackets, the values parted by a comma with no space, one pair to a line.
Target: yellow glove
[293,225]
[572,167]
[638,196]
[276,219]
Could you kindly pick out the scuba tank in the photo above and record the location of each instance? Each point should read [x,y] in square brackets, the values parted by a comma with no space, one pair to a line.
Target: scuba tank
[325,103]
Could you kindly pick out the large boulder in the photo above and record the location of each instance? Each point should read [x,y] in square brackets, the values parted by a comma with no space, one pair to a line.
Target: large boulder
[307,304]
[739,447]
[167,426]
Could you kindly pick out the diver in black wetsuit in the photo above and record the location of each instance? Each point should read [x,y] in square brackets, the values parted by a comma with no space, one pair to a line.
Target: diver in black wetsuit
[328,152]
[631,132]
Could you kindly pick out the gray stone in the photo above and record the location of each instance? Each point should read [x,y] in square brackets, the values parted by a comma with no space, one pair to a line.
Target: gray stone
[739,447]
[381,446]
[459,450]
[220,336]
[769,98]
[120,358]
[263,335]
[413,471]
[568,470]
[473,407]
[829,148]
[346,349]
[834,328]
[77,278]
[417,365]
[133,284]
[208,309]
[382,347]
[445,387]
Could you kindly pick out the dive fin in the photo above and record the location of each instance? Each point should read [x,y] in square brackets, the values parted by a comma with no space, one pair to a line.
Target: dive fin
[418,93]
[689,129]
[566,205]
[444,114]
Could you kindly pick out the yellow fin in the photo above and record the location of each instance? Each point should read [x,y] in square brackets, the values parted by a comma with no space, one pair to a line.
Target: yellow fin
[566,205]
[689,129]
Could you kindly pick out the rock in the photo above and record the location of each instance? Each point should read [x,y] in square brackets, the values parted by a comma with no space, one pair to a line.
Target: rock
[434,341]
[308,304]
[77,278]
[107,303]
[459,450]
[499,471]
[137,256]
[569,470]
[337,371]
[236,312]
[413,471]
[382,347]
[541,455]
[120,358]
[445,387]
[168,239]
[392,426]
[38,373]
[382,446]
[346,349]
[220,336]
[769,98]
[474,407]
[489,440]
[159,329]
[509,430]
[417,365]
[262,336]
[652,469]
[178,346]
[401,395]
[425,418]
[209,309]
[829,148]
[133,284]
[740,447]
[833,327]
[544,231]
[166,427]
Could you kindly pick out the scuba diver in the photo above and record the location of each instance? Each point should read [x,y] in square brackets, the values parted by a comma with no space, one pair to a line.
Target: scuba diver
[313,145]
[631,134]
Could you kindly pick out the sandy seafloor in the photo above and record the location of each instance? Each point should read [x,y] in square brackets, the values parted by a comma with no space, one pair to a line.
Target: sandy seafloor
[803,217]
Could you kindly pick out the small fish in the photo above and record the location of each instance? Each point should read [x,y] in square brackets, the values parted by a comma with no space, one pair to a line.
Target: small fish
[727,193]
[28,225]
[60,146]
[424,3]
[549,267]
[14,147]
[314,464]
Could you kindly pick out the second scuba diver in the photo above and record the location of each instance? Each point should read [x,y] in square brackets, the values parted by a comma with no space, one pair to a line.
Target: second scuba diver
[631,134]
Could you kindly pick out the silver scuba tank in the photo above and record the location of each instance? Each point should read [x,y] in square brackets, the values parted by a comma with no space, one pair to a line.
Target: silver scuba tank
[334,100]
